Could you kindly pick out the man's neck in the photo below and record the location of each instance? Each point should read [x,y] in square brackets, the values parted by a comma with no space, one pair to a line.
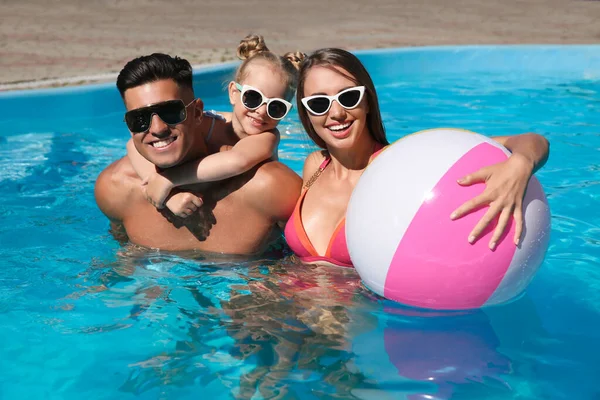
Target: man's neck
[199,148]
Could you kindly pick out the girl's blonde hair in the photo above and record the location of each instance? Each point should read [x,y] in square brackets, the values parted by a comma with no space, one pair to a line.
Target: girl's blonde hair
[253,48]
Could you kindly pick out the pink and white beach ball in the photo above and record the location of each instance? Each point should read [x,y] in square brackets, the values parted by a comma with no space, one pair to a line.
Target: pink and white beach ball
[406,248]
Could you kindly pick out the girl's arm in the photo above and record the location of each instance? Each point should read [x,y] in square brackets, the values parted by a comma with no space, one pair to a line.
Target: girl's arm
[506,183]
[161,187]
[180,204]
[244,155]
[142,167]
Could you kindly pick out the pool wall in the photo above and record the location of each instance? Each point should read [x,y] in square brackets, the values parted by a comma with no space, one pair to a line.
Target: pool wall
[90,101]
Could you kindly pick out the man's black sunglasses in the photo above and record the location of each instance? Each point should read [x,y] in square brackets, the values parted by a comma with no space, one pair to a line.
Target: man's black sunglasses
[172,112]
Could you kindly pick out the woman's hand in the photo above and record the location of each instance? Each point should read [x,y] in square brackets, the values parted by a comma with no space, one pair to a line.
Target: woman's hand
[506,183]
[156,189]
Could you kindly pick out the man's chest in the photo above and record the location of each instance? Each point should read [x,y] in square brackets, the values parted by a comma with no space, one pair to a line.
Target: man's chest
[148,226]
[222,224]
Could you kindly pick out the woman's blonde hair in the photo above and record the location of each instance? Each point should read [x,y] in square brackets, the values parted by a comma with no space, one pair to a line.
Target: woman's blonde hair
[253,48]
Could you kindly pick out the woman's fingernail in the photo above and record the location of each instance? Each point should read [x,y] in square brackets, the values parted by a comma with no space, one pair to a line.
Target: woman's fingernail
[471,239]
[453,215]
[492,245]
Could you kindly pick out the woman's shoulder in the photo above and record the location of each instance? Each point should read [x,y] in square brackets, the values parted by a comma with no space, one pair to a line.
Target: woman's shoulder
[315,159]
[379,148]
[313,162]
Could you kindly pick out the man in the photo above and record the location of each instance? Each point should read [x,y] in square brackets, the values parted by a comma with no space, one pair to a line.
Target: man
[236,216]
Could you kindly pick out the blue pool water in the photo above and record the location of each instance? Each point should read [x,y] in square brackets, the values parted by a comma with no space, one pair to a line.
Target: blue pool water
[82,316]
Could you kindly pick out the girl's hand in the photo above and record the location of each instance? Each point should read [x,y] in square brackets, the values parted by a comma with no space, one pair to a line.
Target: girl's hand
[184,204]
[156,189]
[506,183]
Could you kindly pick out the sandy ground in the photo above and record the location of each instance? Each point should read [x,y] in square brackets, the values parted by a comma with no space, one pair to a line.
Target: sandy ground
[42,40]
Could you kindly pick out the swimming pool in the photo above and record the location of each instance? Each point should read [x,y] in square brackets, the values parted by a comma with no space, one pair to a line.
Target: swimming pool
[84,316]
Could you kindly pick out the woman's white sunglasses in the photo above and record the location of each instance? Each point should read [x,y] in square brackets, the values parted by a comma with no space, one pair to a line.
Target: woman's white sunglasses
[252,98]
[348,98]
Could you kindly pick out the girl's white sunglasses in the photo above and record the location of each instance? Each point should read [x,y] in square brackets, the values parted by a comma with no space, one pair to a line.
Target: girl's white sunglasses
[252,98]
[348,98]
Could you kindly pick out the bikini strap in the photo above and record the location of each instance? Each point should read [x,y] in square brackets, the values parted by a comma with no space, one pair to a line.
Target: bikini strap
[377,151]
[318,172]
[210,131]
[214,116]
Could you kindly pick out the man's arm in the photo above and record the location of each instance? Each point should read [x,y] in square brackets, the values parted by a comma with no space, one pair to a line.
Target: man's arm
[112,191]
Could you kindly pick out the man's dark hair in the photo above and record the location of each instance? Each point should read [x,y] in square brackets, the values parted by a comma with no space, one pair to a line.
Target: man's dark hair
[152,68]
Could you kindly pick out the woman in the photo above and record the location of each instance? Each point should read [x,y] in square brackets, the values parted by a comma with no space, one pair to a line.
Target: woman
[338,107]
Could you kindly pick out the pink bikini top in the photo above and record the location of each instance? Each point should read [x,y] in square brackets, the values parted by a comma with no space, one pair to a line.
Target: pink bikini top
[297,239]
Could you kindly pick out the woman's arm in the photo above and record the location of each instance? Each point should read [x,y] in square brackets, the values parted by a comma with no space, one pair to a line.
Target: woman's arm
[506,183]
[533,147]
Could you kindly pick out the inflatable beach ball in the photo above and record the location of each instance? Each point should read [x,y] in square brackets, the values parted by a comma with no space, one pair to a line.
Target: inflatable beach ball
[406,248]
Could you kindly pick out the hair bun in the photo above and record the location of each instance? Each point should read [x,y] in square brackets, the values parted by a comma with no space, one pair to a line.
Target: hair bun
[295,58]
[251,45]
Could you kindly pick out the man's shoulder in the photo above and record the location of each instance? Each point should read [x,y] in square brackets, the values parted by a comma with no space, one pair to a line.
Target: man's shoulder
[274,190]
[119,173]
[274,174]
[114,187]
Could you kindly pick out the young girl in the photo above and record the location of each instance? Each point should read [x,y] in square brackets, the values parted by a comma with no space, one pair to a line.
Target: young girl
[264,83]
